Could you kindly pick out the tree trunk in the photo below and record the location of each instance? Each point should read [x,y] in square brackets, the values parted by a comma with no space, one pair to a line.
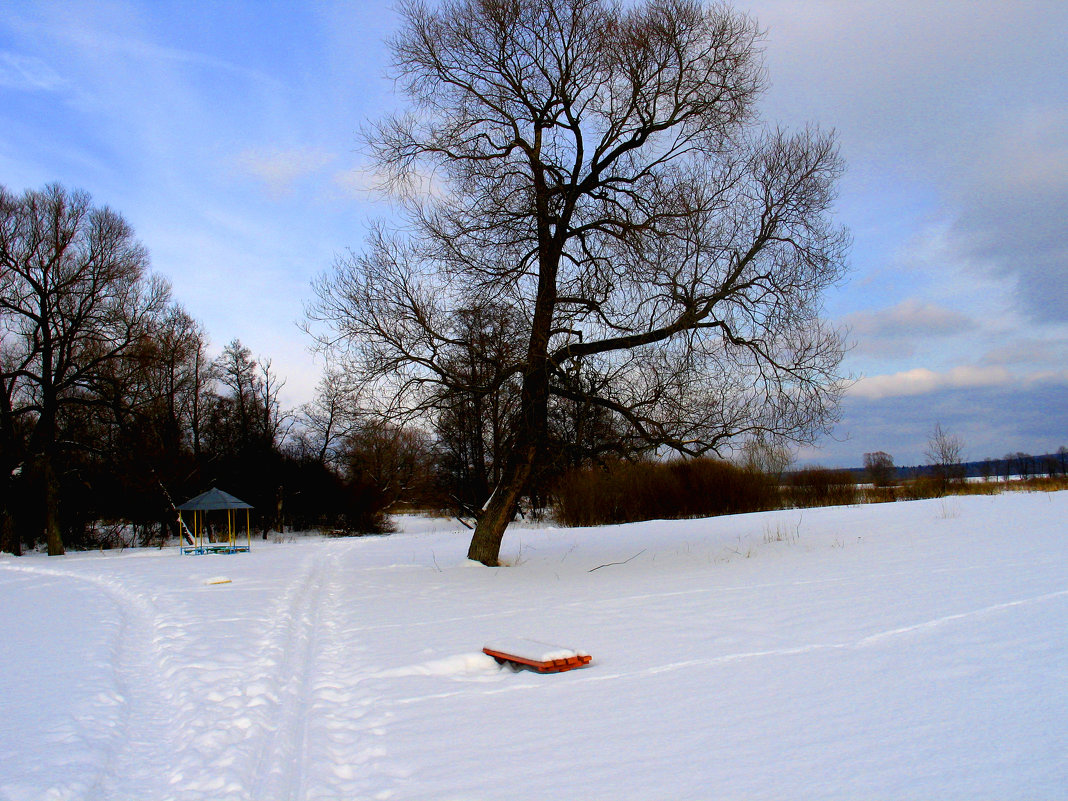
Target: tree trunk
[10,542]
[534,406]
[50,491]
[501,508]
[280,523]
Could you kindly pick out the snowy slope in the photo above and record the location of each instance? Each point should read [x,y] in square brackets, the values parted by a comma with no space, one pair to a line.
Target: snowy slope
[913,650]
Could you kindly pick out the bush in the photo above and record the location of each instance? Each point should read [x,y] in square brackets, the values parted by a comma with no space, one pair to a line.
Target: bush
[877,494]
[629,492]
[820,486]
[365,511]
[1050,484]
[923,487]
[975,488]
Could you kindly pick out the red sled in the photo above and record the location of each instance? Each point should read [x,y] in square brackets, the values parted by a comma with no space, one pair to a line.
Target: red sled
[542,657]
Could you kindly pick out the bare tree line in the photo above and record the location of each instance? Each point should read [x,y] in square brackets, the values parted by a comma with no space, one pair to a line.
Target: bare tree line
[110,403]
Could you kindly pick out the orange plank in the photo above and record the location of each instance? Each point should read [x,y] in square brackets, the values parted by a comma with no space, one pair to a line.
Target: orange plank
[552,666]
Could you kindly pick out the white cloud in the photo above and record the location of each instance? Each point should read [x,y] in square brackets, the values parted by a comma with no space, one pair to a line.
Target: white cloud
[962,104]
[280,169]
[910,318]
[1012,206]
[921,381]
[1048,352]
[117,31]
[360,181]
[1030,154]
[898,331]
[28,73]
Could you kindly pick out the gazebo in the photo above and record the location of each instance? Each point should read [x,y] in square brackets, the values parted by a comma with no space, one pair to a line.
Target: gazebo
[215,500]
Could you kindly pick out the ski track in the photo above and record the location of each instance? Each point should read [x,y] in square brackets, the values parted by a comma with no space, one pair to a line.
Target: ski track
[131,731]
[254,743]
[278,772]
[798,650]
[323,738]
[292,720]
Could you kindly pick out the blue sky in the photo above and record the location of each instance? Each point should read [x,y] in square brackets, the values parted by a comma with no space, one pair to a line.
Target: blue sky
[226,133]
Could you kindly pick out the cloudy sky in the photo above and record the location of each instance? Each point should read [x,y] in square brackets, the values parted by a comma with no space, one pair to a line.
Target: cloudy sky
[226,134]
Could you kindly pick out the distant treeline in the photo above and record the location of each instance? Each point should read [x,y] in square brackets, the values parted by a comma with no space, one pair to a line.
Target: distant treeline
[1023,465]
[627,492]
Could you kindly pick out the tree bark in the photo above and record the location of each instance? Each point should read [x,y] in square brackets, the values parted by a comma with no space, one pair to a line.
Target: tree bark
[500,509]
[50,489]
[534,399]
[10,542]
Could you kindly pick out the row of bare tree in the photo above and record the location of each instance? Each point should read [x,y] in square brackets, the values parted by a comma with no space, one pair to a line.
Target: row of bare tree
[945,463]
[111,405]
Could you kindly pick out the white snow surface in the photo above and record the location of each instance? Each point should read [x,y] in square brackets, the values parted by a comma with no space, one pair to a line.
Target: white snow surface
[897,651]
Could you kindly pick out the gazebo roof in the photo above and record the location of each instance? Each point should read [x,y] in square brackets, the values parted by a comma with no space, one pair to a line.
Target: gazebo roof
[212,500]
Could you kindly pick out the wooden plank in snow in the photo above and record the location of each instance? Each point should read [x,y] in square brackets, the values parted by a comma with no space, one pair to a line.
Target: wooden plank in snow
[543,657]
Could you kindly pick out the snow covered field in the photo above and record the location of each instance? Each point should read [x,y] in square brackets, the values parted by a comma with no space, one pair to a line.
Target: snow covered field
[910,650]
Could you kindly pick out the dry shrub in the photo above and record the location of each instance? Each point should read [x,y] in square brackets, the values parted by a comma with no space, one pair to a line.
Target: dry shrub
[709,487]
[1048,484]
[934,487]
[820,486]
[975,488]
[365,510]
[923,487]
[629,492]
[877,494]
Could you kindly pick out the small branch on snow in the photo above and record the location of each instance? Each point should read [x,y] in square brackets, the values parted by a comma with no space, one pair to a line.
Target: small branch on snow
[643,550]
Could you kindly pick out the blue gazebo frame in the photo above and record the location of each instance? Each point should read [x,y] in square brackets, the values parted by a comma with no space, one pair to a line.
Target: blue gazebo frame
[215,500]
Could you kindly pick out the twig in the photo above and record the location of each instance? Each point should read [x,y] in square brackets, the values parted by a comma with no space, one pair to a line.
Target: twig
[643,550]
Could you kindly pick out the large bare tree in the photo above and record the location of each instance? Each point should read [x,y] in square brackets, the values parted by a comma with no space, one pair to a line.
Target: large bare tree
[75,297]
[598,171]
